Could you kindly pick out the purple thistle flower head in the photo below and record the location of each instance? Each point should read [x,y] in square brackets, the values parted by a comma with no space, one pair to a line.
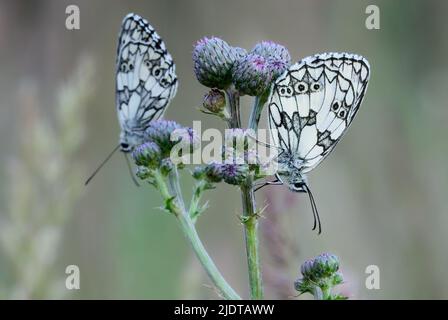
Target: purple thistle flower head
[320,273]
[147,155]
[277,67]
[159,132]
[326,264]
[278,56]
[234,174]
[272,50]
[213,172]
[252,75]
[213,60]
[306,268]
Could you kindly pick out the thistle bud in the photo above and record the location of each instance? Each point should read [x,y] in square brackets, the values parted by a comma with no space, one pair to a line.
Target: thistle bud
[166,166]
[320,275]
[214,101]
[306,269]
[252,75]
[277,56]
[213,172]
[159,132]
[147,155]
[269,49]
[326,264]
[234,174]
[213,60]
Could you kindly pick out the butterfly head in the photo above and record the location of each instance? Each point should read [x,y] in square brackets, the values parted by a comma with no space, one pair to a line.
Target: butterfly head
[128,141]
[295,181]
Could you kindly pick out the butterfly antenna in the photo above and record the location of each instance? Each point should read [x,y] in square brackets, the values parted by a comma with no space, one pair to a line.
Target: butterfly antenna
[130,170]
[101,165]
[317,222]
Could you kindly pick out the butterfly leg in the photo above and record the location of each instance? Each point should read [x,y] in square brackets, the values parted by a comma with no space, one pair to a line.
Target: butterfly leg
[267,183]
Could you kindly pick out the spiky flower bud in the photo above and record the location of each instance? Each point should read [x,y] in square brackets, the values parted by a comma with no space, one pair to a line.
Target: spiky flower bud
[277,56]
[270,49]
[326,265]
[147,155]
[252,75]
[213,172]
[306,269]
[214,101]
[234,174]
[159,132]
[319,276]
[166,166]
[213,60]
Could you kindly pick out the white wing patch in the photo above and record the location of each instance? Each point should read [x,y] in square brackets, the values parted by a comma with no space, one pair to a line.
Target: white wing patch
[314,102]
[146,79]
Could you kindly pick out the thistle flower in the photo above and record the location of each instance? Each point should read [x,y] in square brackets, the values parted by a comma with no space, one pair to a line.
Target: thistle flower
[277,56]
[319,276]
[147,155]
[159,132]
[270,49]
[213,60]
[210,172]
[214,101]
[326,265]
[252,75]
[166,166]
[234,174]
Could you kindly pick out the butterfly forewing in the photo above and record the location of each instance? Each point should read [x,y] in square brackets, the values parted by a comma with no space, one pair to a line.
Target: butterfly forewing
[146,80]
[313,103]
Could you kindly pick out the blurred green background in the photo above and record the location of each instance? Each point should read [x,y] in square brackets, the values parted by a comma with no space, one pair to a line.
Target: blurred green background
[380,194]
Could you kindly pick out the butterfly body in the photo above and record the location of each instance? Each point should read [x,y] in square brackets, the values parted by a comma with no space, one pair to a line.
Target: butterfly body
[146,79]
[310,108]
[290,171]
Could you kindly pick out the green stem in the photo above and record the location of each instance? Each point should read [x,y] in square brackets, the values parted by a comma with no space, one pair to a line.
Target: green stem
[188,228]
[250,222]
[249,217]
[207,263]
[233,99]
[195,209]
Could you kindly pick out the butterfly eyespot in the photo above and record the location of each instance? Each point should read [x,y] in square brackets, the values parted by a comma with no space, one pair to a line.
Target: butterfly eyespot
[342,114]
[301,87]
[131,67]
[336,106]
[148,63]
[157,72]
[285,91]
[315,86]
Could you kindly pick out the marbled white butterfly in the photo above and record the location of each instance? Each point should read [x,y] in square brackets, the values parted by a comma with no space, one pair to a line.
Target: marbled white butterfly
[146,81]
[310,108]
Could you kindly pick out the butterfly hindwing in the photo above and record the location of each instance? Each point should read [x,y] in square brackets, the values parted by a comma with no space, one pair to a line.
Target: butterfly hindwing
[146,80]
[313,103]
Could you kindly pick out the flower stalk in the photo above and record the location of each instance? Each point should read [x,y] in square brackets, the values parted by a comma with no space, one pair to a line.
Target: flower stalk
[174,203]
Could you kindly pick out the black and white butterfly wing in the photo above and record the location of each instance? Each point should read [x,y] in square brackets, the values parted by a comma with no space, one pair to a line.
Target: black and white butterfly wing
[146,79]
[314,102]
